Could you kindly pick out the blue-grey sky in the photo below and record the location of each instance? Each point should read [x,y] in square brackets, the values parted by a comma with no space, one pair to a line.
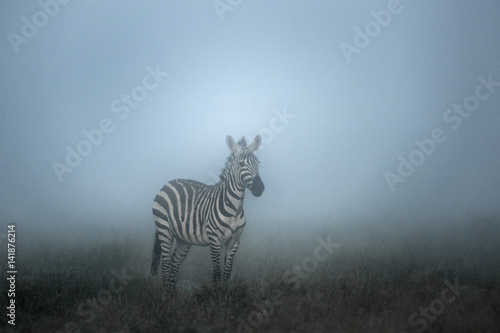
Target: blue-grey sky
[340,90]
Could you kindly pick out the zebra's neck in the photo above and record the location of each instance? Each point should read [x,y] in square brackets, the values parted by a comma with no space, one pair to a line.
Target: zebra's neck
[231,187]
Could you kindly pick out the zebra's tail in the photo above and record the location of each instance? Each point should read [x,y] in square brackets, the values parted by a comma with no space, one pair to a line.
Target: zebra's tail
[156,255]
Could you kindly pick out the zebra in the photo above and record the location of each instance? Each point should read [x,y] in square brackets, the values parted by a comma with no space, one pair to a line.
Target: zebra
[193,213]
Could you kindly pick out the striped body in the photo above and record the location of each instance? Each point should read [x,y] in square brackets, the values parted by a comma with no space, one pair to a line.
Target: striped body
[196,211]
[192,213]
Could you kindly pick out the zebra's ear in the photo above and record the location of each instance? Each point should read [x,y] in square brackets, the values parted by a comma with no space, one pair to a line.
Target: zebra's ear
[231,144]
[254,146]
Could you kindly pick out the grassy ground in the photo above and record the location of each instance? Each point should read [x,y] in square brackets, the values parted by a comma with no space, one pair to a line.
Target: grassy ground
[424,279]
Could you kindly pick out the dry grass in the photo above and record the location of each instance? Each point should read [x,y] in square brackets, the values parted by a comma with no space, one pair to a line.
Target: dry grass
[370,284]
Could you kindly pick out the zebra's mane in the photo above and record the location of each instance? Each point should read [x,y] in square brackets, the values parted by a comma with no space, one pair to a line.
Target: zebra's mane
[242,143]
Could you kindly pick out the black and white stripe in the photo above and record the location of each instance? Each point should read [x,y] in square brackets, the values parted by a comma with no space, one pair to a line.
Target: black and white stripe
[192,213]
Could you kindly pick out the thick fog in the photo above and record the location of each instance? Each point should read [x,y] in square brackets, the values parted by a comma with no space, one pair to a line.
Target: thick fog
[367,109]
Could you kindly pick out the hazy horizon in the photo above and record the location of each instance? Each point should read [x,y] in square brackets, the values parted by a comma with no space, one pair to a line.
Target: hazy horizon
[368,110]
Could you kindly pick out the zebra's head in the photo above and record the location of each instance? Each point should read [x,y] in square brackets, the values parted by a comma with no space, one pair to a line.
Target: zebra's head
[246,164]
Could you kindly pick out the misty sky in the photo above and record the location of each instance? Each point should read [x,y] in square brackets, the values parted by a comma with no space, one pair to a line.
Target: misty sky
[341,91]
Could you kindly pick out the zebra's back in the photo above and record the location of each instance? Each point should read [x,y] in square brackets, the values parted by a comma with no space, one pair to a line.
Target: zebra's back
[180,207]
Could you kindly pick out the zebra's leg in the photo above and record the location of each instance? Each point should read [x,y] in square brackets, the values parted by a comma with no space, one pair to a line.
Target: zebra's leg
[181,250]
[166,242]
[231,249]
[215,256]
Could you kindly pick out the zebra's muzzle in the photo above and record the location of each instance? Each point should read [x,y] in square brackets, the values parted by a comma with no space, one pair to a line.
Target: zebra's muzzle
[257,187]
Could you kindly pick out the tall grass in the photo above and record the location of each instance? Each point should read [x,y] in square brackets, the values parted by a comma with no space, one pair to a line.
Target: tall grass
[378,277]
